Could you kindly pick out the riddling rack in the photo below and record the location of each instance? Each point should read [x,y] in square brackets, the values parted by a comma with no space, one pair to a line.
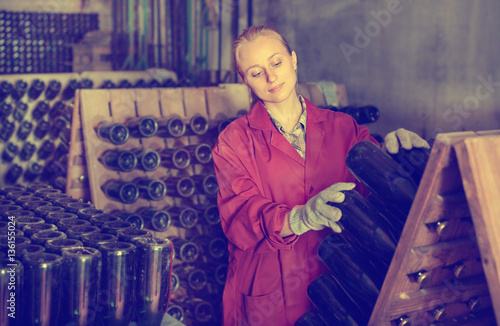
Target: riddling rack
[445,268]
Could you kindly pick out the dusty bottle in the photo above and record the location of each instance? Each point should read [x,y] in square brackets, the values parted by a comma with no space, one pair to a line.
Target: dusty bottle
[412,162]
[381,175]
[200,153]
[119,160]
[196,126]
[147,160]
[115,133]
[180,186]
[206,184]
[124,192]
[173,158]
[185,250]
[183,217]
[155,219]
[53,89]
[151,189]
[172,127]
[142,127]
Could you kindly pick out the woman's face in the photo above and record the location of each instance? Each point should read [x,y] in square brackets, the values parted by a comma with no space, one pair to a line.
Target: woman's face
[268,69]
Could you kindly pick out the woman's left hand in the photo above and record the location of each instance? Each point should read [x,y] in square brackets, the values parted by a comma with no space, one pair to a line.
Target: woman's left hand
[406,138]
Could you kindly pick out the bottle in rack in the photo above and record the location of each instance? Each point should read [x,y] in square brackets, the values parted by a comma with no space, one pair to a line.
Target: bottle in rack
[53,89]
[36,89]
[206,184]
[180,186]
[41,108]
[5,90]
[130,217]
[5,110]
[172,127]
[200,153]
[115,133]
[197,126]
[9,152]
[58,125]
[13,174]
[147,160]
[381,175]
[175,158]
[121,191]
[142,127]
[208,214]
[27,151]
[46,149]
[151,189]
[20,111]
[211,246]
[69,91]
[19,90]
[190,278]
[42,129]
[7,129]
[155,219]
[119,160]
[368,114]
[33,172]
[24,130]
[183,217]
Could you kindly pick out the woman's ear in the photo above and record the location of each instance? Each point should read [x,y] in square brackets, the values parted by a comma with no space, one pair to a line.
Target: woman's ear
[294,60]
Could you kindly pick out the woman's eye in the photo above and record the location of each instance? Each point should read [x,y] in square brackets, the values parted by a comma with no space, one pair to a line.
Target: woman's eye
[277,64]
[257,74]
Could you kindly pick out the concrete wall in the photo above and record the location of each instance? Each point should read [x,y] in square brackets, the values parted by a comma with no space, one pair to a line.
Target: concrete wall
[430,66]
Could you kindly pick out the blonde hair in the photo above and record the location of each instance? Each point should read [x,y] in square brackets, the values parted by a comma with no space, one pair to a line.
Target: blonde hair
[251,34]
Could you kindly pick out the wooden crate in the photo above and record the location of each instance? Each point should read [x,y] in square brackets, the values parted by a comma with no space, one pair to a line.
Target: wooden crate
[460,187]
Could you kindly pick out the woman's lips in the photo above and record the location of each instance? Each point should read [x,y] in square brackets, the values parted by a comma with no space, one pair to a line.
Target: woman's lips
[276,88]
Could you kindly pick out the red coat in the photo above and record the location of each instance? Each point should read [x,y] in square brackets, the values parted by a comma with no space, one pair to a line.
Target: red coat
[261,177]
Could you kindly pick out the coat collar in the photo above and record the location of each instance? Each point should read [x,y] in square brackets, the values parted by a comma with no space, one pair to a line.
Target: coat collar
[258,118]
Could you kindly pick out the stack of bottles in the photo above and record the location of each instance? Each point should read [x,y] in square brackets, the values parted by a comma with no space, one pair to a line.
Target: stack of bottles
[362,115]
[40,42]
[70,264]
[187,178]
[360,256]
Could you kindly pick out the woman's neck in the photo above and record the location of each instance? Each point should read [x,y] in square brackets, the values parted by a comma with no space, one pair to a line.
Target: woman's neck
[287,112]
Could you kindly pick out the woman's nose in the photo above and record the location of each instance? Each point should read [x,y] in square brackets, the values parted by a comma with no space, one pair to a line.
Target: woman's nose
[271,76]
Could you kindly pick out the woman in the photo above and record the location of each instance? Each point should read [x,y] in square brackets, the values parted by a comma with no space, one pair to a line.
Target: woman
[277,167]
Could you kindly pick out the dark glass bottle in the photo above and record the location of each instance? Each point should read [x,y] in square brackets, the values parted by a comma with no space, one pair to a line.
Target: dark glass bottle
[412,162]
[42,280]
[206,184]
[53,89]
[24,130]
[13,174]
[78,232]
[201,310]
[42,129]
[33,171]
[36,89]
[40,238]
[19,90]
[311,318]
[363,222]
[5,90]
[197,126]
[87,83]
[119,160]
[185,250]
[200,153]
[43,211]
[132,235]
[381,175]
[358,271]
[27,151]
[173,158]
[172,127]
[108,84]
[64,224]
[58,125]
[117,283]
[154,84]
[147,160]
[5,110]
[70,89]
[9,152]
[183,217]
[7,129]
[40,110]
[367,114]
[175,311]
[12,272]
[155,219]
[20,111]
[208,214]
[180,186]
[151,189]
[46,149]
[115,133]
[124,84]
[124,192]
[210,246]
[94,240]
[58,109]
[100,220]
[55,217]
[190,277]
[31,229]
[216,272]
[336,304]
[80,285]
[115,227]
[141,83]
[142,127]
[154,257]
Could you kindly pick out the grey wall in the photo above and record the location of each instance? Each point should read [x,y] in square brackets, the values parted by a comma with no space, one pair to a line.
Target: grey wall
[426,65]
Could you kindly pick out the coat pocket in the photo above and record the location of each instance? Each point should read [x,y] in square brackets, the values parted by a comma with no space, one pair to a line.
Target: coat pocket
[267,309]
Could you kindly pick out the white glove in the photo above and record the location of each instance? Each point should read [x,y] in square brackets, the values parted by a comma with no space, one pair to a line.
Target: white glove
[407,139]
[316,214]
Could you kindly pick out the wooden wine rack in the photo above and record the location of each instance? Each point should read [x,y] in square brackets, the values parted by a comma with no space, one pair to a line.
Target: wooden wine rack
[460,188]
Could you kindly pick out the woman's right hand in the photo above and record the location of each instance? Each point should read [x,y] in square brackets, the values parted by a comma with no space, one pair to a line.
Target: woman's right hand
[316,214]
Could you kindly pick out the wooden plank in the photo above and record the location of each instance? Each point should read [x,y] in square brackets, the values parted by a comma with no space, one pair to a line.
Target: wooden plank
[478,160]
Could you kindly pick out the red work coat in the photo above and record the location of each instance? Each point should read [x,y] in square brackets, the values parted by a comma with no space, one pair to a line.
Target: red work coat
[262,177]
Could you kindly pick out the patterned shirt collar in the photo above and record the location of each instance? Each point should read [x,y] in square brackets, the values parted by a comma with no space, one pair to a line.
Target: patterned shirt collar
[302,120]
